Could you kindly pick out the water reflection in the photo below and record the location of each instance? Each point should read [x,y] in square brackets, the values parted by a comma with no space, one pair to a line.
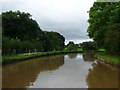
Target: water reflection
[102,76]
[88,57]
[78,71]
[25,73]
[72,55]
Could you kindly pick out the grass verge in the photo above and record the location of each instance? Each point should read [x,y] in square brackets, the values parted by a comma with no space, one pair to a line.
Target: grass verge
[110,58]
[16,58]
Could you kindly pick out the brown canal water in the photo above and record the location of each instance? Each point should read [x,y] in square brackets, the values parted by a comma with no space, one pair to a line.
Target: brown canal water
[60,71]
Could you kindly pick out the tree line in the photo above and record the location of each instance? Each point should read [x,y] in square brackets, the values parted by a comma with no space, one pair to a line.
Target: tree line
[22,34]
[104,28]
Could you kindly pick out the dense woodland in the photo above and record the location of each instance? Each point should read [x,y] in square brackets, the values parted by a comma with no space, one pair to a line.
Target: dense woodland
[104,25]
[22,34]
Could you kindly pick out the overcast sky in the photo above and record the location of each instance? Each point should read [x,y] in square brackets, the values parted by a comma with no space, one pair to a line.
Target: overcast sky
[68,17]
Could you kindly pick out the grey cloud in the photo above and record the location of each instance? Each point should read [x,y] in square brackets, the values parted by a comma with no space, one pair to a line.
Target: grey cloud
[68,17]
[73,30]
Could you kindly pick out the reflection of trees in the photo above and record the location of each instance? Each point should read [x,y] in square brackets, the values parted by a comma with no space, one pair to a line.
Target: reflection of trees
[89,57]
[72,55]
[102,76]
[22,74]
[119,78]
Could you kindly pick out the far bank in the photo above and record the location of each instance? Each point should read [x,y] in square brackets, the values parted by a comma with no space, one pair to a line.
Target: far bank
[22,57]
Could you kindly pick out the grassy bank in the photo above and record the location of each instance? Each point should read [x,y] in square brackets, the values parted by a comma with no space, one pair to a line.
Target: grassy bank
[110,58]
[16,58]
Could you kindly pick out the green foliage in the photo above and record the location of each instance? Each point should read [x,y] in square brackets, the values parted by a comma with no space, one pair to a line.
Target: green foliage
[101,50]
[56,41]
[87,46]
[110,58]
[20,46]
[19,25]
[79,49]
[22,34]
[104,25]
[65,49]
[112,39]
[16,58]
[71,46]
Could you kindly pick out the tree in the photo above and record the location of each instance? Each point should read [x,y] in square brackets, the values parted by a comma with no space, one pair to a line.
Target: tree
[19,25]
[88,46]
[56,41]
[102,16]
[71,46]
[22,34]
[112,39]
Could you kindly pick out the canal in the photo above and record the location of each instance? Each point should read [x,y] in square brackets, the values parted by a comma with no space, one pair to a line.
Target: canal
[60,71]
